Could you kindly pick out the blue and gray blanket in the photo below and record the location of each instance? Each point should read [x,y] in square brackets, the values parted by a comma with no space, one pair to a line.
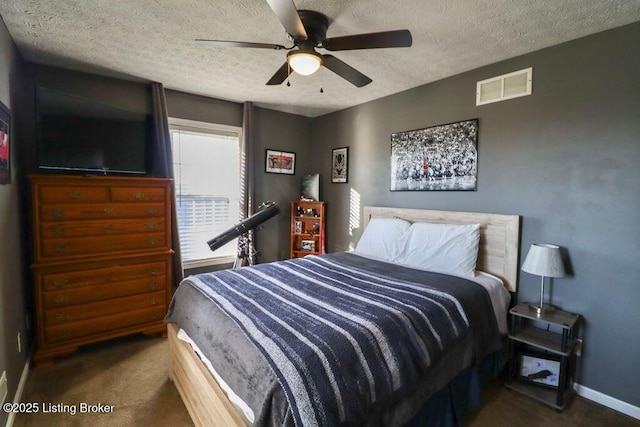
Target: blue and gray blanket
[343,341]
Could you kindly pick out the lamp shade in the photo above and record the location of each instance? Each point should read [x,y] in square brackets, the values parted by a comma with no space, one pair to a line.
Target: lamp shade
[304,62]
[544,260]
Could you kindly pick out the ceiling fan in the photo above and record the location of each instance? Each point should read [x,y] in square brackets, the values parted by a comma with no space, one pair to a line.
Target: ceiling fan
[307,30]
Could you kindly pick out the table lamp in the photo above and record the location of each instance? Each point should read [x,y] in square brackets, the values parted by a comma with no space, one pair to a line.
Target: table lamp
[543,260]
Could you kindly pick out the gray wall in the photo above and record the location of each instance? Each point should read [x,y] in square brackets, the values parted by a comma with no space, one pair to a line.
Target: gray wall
[12,300]
[284,132]
[565,159]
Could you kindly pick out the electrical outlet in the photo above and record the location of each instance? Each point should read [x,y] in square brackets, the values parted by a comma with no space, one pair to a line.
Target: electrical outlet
[19,343]
[578,347]
[3,387]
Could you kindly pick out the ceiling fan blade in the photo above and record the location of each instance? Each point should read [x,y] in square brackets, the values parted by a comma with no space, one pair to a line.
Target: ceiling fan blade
[230,43]
[345,71]
[280,75]
[287,13]
[397,38]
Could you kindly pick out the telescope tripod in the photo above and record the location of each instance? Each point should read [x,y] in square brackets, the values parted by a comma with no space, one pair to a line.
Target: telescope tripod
[246,252]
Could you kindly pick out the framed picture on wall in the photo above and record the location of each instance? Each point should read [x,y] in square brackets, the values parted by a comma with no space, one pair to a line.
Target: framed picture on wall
[437,158]
[5,134]
[280,162]
[340,165]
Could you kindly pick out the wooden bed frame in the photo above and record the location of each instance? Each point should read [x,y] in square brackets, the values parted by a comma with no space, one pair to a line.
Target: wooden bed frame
[498,254]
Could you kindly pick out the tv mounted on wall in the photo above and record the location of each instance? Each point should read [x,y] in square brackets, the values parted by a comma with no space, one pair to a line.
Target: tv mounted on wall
[80,135]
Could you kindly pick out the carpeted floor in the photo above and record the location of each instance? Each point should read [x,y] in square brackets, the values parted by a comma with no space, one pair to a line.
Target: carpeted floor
[504,408]
[131,374]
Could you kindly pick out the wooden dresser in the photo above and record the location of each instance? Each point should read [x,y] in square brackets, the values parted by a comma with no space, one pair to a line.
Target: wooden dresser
[101,259]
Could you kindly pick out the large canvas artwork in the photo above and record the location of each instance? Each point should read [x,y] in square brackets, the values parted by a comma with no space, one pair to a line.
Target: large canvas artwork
[443,157]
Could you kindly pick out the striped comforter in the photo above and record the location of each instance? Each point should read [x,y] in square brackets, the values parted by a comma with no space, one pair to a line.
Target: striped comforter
[341,340]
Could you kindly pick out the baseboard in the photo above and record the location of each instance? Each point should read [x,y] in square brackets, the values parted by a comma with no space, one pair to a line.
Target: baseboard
[18,396]
[608,401]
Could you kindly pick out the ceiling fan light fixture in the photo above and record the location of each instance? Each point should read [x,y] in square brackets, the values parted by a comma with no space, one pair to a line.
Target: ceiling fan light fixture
[304,62]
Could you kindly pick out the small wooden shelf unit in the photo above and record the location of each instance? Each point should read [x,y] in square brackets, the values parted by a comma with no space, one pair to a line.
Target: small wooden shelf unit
[307,228]
[101,259]
[525,336]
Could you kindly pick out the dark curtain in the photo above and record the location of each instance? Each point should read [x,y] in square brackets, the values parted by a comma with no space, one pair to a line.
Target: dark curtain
[247,187]
[163,167]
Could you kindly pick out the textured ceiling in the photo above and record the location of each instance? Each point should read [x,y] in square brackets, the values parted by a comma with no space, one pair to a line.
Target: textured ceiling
[154,40]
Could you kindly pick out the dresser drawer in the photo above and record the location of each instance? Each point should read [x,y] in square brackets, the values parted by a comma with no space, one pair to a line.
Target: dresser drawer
[97,309]
[138,194]
[153,271]
[108,291]
[73,194]
[71,331]
[100,228]
[96,245]
[89,211]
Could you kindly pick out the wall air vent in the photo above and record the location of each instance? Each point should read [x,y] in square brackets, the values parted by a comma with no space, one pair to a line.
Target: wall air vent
[506,86]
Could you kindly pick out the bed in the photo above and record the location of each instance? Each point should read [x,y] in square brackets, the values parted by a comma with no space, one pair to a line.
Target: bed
[200,331]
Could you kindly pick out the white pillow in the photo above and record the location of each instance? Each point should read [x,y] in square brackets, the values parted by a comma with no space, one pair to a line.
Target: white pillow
[446,248]
[383,238]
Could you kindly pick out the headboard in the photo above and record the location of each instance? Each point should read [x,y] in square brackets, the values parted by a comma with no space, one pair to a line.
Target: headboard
[499,236]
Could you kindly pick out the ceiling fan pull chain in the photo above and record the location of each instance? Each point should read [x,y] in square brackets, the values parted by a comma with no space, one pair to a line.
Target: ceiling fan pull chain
[321,90]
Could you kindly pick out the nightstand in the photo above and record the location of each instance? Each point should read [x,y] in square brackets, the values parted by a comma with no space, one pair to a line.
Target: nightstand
[541,350]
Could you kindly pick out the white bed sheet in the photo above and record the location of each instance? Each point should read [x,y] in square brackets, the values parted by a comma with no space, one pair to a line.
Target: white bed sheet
[239,405]
[500,297]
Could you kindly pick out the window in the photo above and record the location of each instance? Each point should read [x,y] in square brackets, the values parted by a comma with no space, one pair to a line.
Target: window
[206,165]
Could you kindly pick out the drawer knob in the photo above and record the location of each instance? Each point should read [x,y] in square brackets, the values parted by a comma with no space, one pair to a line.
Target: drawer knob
[108,226]
[153,271]
[153,301]
[63,334]
[63,299]
[152,226]
[61,317]
[74,194]
[107,210]
[60,248]
[59,230]
[58,213]
[152,211]
[152,241]
[60,283]
[153,286]
[139,195]
[153,316]
[109,242]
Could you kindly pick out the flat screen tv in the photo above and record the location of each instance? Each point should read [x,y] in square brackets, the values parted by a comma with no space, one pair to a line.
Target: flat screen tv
[75,134]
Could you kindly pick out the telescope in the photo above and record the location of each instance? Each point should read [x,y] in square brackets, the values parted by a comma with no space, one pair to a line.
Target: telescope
[265,211]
